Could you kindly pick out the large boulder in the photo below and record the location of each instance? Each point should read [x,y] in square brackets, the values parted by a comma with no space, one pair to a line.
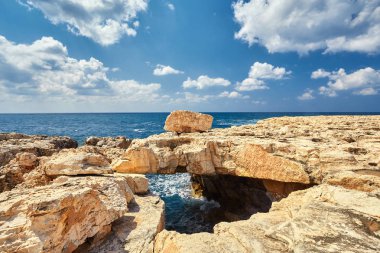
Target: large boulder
[61,216]
[188,122]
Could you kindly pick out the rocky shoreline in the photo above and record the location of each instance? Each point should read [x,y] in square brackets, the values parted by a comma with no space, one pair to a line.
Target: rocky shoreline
[303,184]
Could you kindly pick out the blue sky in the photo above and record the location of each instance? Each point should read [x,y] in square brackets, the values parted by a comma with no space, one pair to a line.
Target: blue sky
[214,55]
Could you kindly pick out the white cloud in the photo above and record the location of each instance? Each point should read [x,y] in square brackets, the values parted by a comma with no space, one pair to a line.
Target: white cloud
[171,6]
[323,90]
[204,82]
[162,70]
[366,92]
[44,69]
[103,21]
[304,26]
[232,94]
[320,73]
[365,80]
[307,95]
[135,90]
[194,98]
[189,97]
[257,75]
[136,24]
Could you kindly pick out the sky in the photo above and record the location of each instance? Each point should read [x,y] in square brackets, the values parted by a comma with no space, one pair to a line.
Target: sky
[201,55]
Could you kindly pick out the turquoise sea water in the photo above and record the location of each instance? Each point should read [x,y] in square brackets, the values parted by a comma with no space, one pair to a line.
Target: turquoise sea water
[183,213]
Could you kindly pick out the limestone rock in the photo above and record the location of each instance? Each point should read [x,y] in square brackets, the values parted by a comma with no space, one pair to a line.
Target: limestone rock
[135,231]
[319,219]
[39,145]
[305,150]
[20,155]
[109,142]
[138,183]
[188,122]
[368,181]
[137,160]
[253,161]
[27,160]
[77,162]
[61,216]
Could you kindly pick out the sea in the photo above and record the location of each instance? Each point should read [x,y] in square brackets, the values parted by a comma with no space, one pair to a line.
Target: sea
[183,213]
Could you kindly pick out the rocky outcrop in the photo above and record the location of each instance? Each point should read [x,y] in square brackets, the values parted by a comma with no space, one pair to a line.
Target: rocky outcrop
[135,231]
[73,214]
[321,172]
[109,142]
[320,219]
[77,162]
[188,122]
[61,216]
[288,154]
[301,150]
[20,155]
[40,145]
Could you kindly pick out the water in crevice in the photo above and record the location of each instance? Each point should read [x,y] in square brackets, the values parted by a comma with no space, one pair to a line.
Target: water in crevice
[183,213]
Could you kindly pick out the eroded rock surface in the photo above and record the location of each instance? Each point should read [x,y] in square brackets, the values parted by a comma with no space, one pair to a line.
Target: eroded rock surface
[336,158]
[138,183]
[39,145]
[109,142]
[77,162]
[20,155]
[188,122]
[135,231]
[320,219]
[60,216]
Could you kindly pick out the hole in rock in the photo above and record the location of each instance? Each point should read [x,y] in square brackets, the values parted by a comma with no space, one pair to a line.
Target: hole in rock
[183,212]
[196,203]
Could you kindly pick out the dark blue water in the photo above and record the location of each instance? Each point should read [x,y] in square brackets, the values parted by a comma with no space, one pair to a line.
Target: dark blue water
[183,213]
[133,125]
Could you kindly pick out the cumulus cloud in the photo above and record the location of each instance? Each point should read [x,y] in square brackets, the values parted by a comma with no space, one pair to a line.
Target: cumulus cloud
[44,69]
[304,26]
[204,82]
[232,94]
[307,95]
[162,70]
[363,81]
[260,72]
[103,21]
